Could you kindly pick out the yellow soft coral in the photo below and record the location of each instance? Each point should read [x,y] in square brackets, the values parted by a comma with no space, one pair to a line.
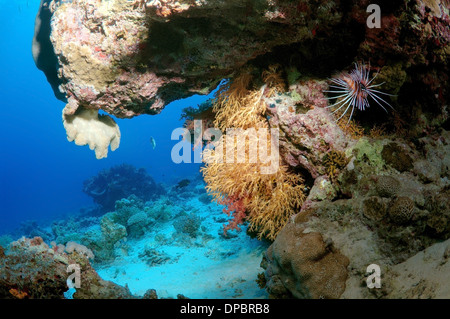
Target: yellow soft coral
[334,161]
[351,128]
[269,198]
[274,79]
[238,107]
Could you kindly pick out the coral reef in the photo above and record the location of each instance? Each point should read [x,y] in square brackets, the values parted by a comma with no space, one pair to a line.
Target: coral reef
[31,269]
[378,214]
[118,182]
[373,189]
[126,53]
[119,57]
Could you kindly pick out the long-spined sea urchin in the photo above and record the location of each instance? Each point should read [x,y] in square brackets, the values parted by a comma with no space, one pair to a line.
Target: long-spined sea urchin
[354,90]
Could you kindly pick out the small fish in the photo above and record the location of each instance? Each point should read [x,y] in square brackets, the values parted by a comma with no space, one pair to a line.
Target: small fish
[153,142]
[183,183]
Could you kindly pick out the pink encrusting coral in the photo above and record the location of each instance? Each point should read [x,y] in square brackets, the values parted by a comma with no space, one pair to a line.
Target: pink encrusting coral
[306,134]
[96,57]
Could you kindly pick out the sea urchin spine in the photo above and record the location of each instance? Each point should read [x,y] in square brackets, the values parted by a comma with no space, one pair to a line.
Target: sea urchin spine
[354,90]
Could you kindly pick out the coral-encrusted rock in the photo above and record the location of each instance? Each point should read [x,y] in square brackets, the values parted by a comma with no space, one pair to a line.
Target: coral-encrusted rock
[121,181]
[306,134]
[130,58]
[303,265]
[386,217]
[133,58]
[32,269]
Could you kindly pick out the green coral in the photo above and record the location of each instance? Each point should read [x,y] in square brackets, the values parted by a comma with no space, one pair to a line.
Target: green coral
[369,152]
[392,77]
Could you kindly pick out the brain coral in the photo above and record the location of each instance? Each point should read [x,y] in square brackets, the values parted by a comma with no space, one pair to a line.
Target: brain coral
[401,210]
[387,186]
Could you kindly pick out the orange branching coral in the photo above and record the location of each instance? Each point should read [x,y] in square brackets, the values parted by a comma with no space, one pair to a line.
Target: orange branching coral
[269,199]
[235,208]
[378,131]
[244,170]
[274,80]
[18,294]
[333,161]
[237,106]
[351,128]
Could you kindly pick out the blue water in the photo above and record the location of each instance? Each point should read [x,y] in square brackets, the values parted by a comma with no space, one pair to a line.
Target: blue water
[41,173]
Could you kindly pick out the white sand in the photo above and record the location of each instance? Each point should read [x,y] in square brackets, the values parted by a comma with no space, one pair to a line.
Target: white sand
[208,267]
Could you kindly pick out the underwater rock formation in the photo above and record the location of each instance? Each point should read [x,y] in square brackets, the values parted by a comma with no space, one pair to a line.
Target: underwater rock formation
[373,189]
[130,58]
[30,269]
[301,264]
[379,213]
[307,130]
[121,181]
